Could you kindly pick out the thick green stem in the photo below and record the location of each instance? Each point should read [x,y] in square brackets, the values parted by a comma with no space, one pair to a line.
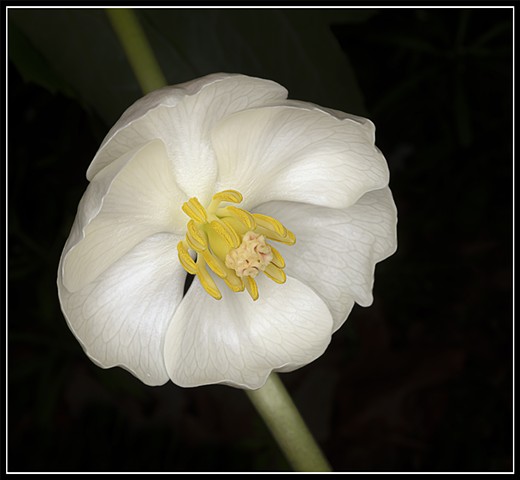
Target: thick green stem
[281,416]
[137,49]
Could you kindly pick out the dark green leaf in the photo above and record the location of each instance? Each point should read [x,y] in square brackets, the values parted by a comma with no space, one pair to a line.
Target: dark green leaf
[77,47]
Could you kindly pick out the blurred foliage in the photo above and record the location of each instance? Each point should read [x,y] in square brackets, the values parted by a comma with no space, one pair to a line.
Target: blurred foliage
[422,380]
[295,48]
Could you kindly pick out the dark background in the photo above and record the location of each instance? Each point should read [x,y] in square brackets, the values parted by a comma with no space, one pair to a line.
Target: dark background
[420,381]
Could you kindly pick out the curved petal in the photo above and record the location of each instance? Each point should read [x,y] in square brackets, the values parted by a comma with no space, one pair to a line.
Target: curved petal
[364,122]
[133,198]
[298,154]
[239,342]
[336,250]
[121,317]
[182,117]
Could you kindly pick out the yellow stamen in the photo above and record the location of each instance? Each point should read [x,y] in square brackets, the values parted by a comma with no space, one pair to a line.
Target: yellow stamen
[225,232]
[242,216]
[270,224]
[252,288]
[232,243]
[277,258]
[195,210]
[233,281]
[228,196]
[214,263]
[184,257]
[207,282]
[287,239]
[275,273]
[195,238]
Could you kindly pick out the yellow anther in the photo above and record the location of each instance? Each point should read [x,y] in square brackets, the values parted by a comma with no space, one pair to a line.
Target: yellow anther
[225,232]
[270,224]
[290,238]
[277,258]
[206,281]
[228,196]
[214,263]
[273,229]
[195,210]
[275,273]
[184,257]
[252,287]
[195,237]
[242,215]
[234,282]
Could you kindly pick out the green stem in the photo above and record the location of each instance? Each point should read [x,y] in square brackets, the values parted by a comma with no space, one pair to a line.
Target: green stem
[278,411]
[137,49]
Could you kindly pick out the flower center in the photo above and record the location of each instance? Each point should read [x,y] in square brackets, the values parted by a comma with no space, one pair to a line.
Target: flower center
[233,243]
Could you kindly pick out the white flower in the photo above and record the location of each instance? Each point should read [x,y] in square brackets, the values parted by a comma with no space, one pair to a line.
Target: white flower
[217,177]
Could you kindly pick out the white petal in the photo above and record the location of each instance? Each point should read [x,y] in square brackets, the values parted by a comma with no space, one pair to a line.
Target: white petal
[364,122]
[133,198]
[121,317]
[336,250]
[239,342]
[182,117]
[297,154]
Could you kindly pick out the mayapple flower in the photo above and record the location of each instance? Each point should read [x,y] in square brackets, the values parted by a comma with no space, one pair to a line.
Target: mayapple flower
[278,210]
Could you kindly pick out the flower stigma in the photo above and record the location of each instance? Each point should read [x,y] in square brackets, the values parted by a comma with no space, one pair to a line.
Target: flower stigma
[233,243]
